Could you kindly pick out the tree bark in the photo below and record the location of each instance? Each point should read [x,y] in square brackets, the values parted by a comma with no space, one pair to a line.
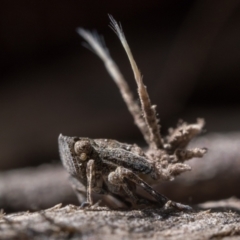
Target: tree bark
[70,222]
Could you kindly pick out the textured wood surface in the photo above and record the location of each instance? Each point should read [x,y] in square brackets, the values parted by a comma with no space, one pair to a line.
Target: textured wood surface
[70,222]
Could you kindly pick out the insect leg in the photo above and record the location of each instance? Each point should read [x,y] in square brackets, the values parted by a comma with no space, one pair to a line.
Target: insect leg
[121,173]
[90,180]
[90,183]
[116,178]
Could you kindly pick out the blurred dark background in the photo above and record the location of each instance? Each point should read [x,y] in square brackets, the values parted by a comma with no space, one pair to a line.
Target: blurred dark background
[188,52]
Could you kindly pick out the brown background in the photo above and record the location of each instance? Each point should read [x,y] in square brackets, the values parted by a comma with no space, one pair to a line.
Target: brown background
[188,52]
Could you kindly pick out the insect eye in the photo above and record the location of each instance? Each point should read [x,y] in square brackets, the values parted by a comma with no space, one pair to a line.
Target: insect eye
[83,148]
[83,156]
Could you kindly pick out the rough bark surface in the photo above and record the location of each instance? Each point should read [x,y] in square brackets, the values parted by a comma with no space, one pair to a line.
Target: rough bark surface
[70,222]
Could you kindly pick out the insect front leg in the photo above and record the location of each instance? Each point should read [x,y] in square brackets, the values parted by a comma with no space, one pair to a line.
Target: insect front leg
[90,183]
[90,180]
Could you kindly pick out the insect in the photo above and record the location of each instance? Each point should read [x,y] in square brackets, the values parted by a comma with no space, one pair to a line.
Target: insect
[106,166]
